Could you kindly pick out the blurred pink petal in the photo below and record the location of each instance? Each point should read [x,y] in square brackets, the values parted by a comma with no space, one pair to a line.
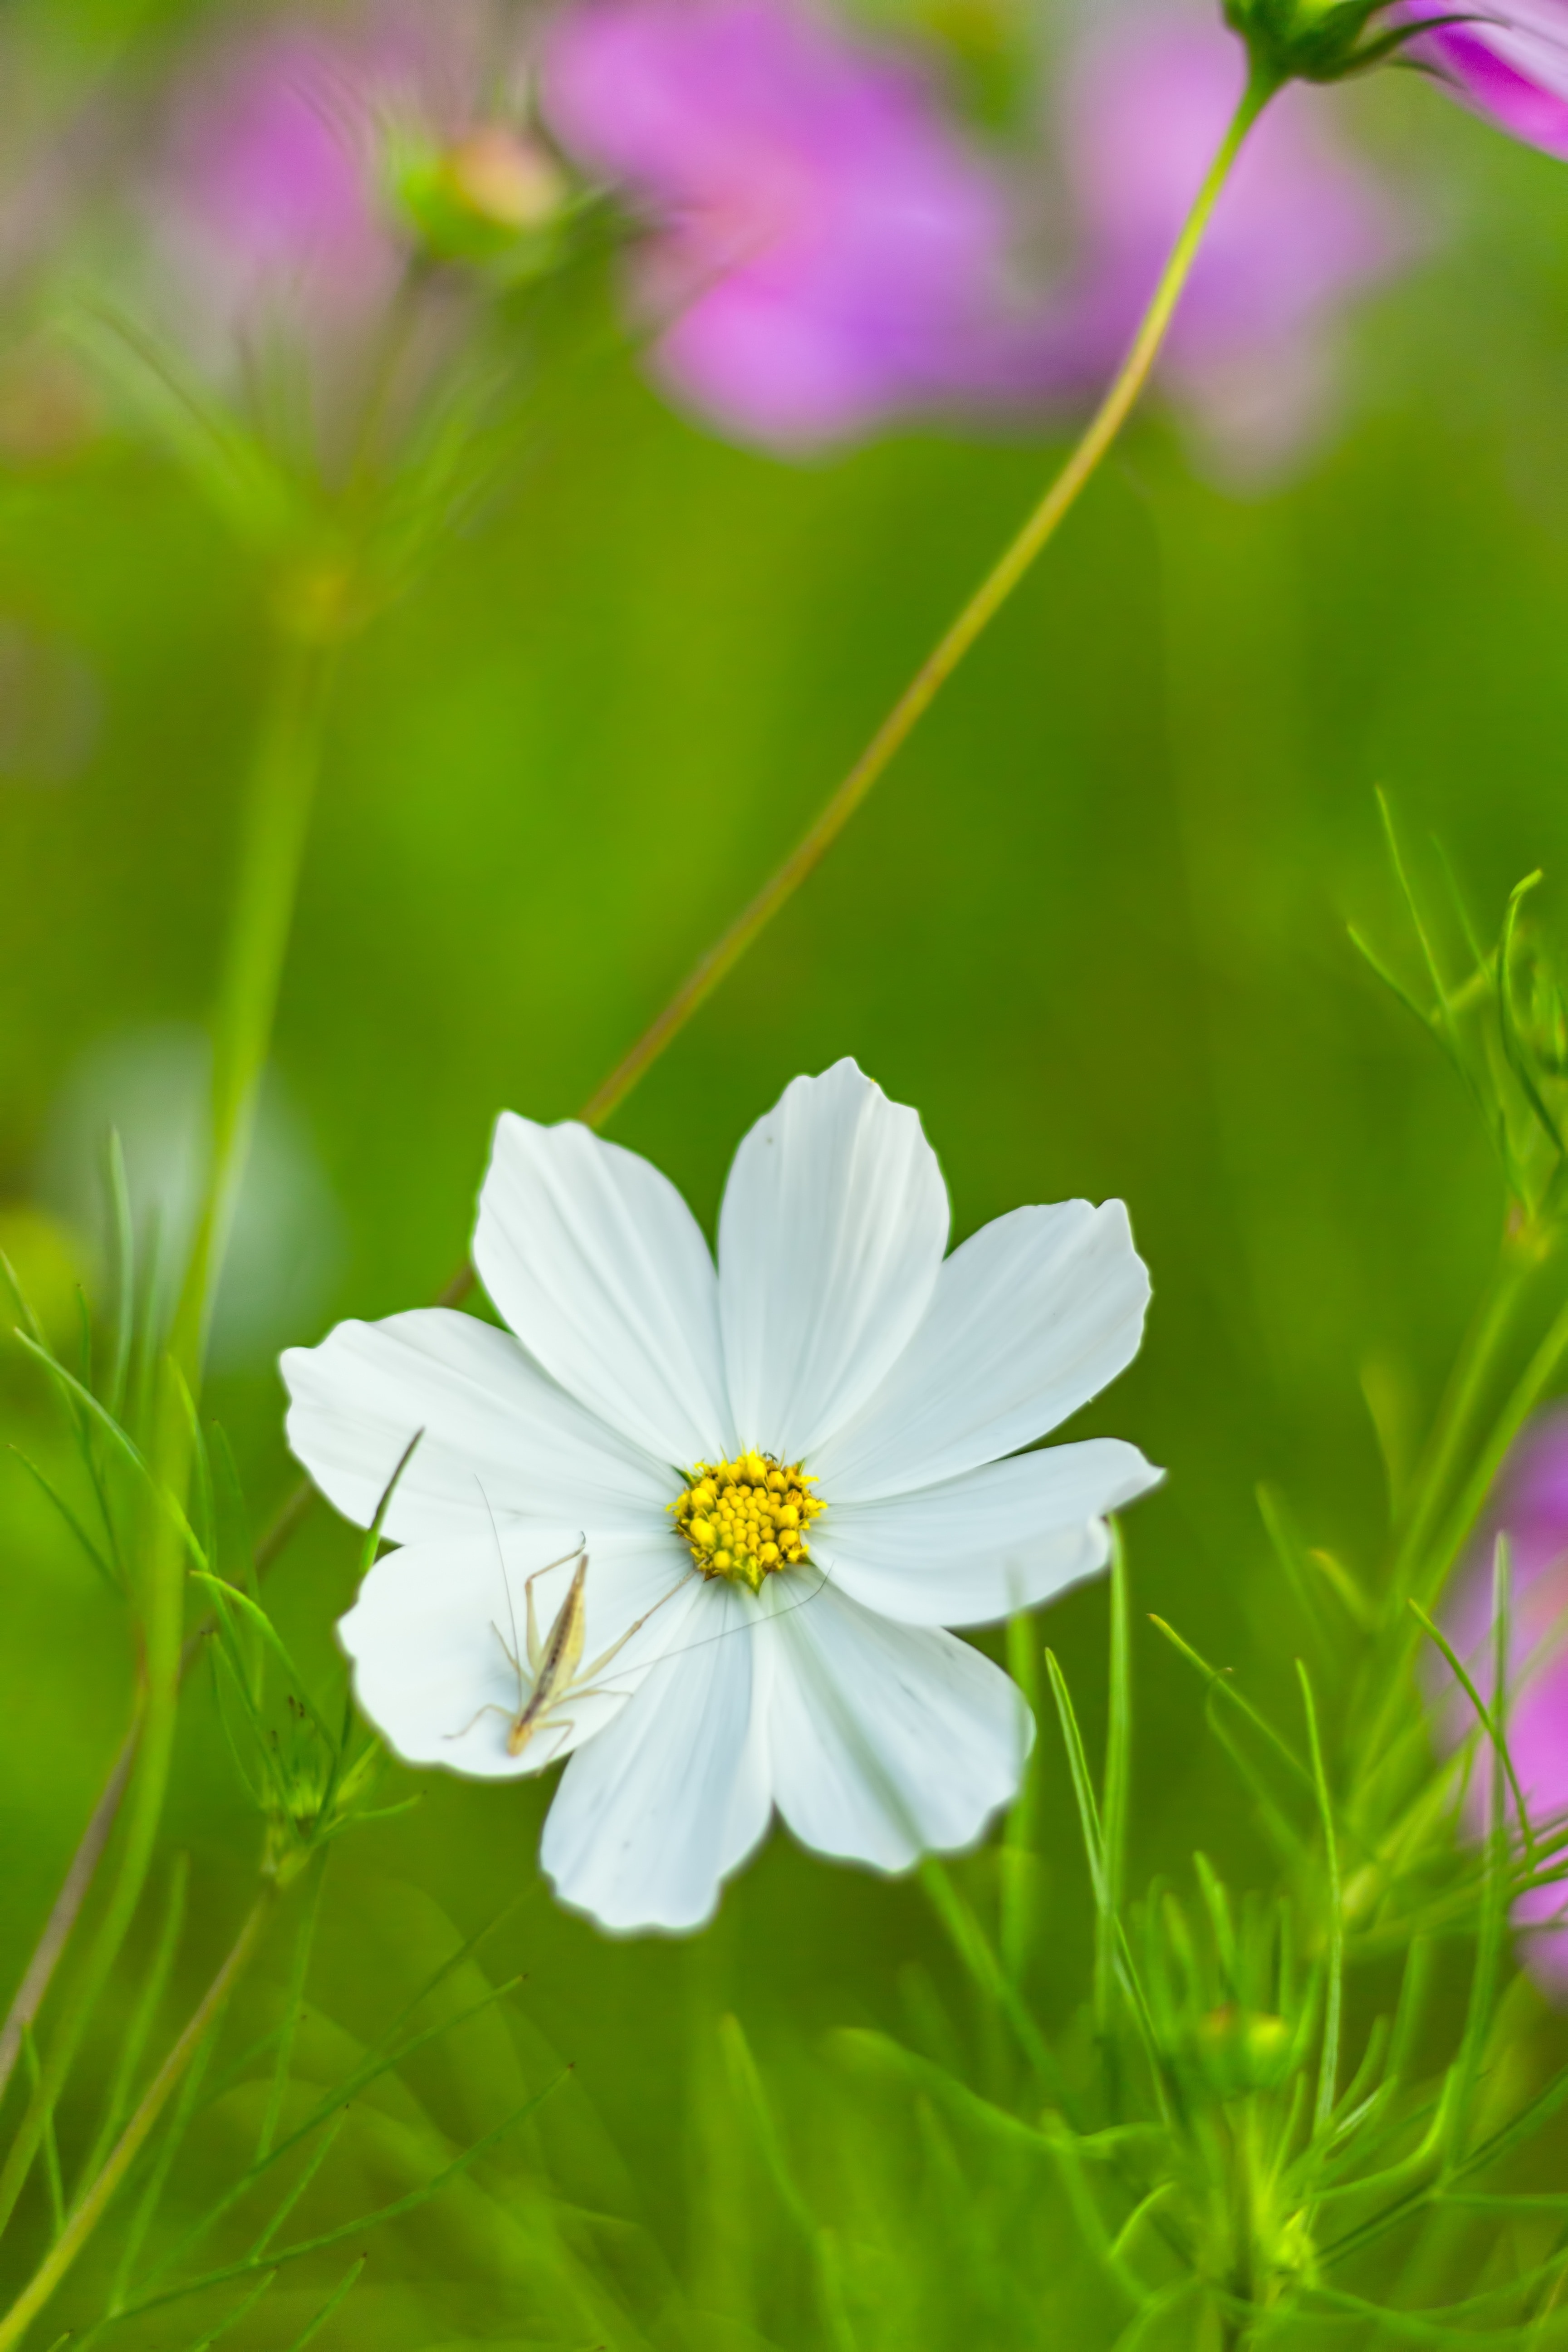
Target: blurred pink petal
[826,247]
[271,203]
[1532,1509]
[1301,227]
[1510,63]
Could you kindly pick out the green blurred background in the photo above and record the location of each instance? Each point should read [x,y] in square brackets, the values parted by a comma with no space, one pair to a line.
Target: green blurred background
[1092,925]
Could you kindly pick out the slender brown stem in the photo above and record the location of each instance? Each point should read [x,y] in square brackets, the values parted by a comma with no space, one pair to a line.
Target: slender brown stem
[30,1993]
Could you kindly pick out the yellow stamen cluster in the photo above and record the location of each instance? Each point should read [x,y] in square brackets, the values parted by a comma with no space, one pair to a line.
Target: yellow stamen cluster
[747,1519]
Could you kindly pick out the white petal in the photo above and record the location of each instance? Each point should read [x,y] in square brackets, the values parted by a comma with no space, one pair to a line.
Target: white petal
[657,1811]
[1031,1317]
[830,1238]
[431,1630]
[981,1547]
[499,1435]
[602,1271]
[886,1741]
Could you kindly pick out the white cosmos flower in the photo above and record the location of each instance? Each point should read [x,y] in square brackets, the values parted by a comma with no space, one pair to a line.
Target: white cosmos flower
[884,1387]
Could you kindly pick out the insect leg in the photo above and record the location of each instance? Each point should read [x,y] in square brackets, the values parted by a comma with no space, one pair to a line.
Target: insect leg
[491,1707]
[604,1656]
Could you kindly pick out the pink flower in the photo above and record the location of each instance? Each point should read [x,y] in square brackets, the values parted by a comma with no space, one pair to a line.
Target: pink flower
[830,252]
[1301,227]
[272,202]
[1510,62]
[1532,1509]
[827,250]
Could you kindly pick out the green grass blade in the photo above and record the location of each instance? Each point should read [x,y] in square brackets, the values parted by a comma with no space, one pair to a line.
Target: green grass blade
[307,2172]
[116,2106]
[1484,1717]
[123,1271]
[294,2002]
[747,2084]
[376,2219]
[72,1522]
[340,2293]
[376,2063]
[53,2182]
[1019,1859]
[1118,1784]
[1082,1787]
[1333,1996]
[372,1544]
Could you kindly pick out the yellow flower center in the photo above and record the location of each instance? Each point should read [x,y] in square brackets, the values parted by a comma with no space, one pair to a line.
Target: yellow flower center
[747,1519]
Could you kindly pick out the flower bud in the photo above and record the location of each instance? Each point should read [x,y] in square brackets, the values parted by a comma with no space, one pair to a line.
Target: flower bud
[1316,40]
[493,197]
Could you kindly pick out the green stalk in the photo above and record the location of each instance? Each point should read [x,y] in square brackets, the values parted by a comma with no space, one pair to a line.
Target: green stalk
[276,818]
[272,842]
[89,2209]
[971,623]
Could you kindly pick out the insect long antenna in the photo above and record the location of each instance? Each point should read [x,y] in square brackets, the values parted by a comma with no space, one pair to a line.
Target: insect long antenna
[516,1653]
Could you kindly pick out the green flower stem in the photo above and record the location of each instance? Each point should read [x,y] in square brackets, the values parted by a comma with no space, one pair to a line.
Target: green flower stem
[940,663]
[276,815]
[90,2207]
[273,835]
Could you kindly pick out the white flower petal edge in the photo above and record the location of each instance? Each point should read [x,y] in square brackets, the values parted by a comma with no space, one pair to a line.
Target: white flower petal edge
[653,1814]
[983,1547]
[886,1741]
[1031,1317]
[830,1238]
[499,1436]
[598,1265]
[431,1628]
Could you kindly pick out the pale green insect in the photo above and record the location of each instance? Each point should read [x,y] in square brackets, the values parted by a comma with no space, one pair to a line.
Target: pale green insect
[552,1677]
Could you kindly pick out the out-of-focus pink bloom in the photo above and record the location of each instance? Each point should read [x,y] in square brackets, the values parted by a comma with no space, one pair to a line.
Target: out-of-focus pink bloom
[1532,1510]
[272,201]
[1300,229]
[830,253]
[828,250]
[1510,62]
[266,203]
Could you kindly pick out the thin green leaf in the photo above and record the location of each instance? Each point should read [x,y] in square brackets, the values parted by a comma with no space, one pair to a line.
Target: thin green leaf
[372,1544]
[1333,2000]
[974,1949]
[123,1260]
[1117,1783]
[293,2002]
[242,2310]
[340,2293]
[1291,1552]
[1017,1861]
[1507,1024]
[1083,1791]
[73,1523]
[376,2219]
[1483,1715]
[307,2172]
[51,2154]
[117,2105]
[228,1596]
[748,2084]
[1220,1679]
[370,2070]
